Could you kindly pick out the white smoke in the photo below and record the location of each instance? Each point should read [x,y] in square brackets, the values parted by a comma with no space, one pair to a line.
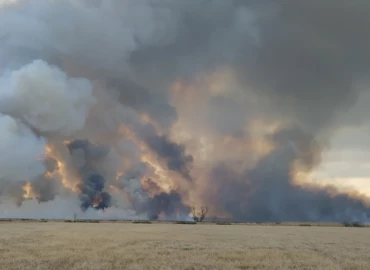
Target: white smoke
[22,152]
[99,34]
[58,208]
[62,208]
[135,190]
[46,99]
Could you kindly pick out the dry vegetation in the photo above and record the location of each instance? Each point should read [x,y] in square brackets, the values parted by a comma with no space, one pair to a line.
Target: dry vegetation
[60,245]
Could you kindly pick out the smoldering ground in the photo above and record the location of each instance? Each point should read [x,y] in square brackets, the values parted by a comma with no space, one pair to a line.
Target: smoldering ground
[294,69]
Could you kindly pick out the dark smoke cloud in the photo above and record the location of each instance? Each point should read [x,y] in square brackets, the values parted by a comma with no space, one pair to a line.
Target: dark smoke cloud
[309,57]
[46,188]
[155,105]
[208,35]
[267,193]
[92,185]
[170,204]
[172,153]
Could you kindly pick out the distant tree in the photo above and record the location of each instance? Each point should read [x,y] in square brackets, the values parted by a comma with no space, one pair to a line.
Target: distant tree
[199,217]
[203,213]
[194,213]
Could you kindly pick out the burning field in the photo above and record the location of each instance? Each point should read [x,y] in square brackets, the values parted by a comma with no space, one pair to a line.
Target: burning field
[138,109]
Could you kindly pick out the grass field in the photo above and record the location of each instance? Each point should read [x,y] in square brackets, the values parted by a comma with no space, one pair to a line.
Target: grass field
[60,245]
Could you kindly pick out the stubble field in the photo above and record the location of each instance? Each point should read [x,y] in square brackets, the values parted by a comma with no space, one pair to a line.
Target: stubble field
[59,245]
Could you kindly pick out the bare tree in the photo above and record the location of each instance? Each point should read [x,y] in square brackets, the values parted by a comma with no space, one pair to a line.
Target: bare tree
[200,215]
[194,214]
[203,213]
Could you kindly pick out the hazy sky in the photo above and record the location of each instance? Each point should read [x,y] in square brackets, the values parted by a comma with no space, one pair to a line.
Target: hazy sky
[347,162]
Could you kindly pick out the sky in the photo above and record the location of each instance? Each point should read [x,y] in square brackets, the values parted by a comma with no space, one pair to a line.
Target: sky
[347,162]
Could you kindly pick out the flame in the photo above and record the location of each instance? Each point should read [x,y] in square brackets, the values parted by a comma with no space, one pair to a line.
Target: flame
[163,177]
[163,180]
[29,193]
[97,201]
[68,179]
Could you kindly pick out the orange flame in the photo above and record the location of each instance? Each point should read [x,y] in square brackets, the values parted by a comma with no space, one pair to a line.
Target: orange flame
[29,193]
[97,201]
[69,180]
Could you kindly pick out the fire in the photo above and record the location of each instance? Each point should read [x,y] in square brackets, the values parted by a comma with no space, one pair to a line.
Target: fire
[29,193]
[163,180]
[97,201]
[69,180]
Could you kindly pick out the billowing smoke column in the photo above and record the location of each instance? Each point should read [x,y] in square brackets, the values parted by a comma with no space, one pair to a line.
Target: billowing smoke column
[84,156]
[271,194]
[169,204]
[142,109]
[172,153]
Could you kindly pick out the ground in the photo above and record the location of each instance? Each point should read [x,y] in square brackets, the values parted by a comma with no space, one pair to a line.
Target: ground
[61,245]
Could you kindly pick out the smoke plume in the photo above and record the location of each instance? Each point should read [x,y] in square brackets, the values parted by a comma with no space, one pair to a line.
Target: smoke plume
[143,109]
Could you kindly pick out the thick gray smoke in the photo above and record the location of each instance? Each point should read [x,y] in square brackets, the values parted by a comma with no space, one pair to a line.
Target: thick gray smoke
[23,151]
[266,193]
[85,71]
[172,153]
[310,56]
[169,204]
[143,100]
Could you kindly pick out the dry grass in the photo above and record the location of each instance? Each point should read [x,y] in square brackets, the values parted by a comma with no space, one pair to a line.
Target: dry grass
[60,245]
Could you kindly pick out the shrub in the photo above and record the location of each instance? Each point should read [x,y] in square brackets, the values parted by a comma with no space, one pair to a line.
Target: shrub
[142,222]
[353,224]
[223,223]
[347,224]
[357,224]
[185,222]
[5,220]
[86,221]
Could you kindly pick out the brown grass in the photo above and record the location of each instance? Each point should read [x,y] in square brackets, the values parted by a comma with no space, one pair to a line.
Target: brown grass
[60,245]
